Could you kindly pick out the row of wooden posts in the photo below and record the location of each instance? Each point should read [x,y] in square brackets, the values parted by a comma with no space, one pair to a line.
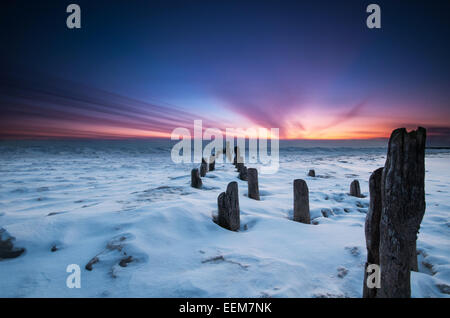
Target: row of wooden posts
[229,213]
[397,206]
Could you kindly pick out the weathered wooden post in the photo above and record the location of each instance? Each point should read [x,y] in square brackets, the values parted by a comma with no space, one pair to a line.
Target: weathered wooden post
[355,189]
[403,207]
[311,173]
[196,182]
[372,229]
[228,206]
[203,169]
[252,178]
[301,202]
[212,163]
[243,173]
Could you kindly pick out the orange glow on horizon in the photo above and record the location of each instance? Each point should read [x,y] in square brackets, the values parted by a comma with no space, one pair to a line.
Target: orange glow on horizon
[314,127]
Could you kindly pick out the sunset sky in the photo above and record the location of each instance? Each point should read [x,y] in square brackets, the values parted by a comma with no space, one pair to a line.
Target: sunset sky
[142,68]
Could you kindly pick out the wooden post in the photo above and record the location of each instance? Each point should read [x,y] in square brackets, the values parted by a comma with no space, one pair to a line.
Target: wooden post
[203,169]
[372,229]
[237,155]
[253,188]
[403,207]
[243,173]
[212,163]
[301,202]
[355,189]
[239,164]
[228,206]
[196,182]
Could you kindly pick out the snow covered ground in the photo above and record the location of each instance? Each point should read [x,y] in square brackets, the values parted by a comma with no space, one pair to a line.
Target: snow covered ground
[118,199]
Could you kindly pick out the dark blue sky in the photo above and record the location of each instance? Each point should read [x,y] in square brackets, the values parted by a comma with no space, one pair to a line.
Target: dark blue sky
[313,69]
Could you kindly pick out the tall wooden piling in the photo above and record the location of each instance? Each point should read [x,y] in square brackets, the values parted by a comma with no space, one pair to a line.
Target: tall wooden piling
[403,207]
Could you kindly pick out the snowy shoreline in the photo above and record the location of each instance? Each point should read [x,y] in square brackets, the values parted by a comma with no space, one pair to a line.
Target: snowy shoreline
[89,201]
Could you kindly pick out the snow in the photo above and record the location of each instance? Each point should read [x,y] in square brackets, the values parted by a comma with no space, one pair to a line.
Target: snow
[118,199]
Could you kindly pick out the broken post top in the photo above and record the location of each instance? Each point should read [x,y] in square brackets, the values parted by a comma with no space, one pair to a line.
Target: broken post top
[253,175]
[408,148]
[232,187]
[300,183]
